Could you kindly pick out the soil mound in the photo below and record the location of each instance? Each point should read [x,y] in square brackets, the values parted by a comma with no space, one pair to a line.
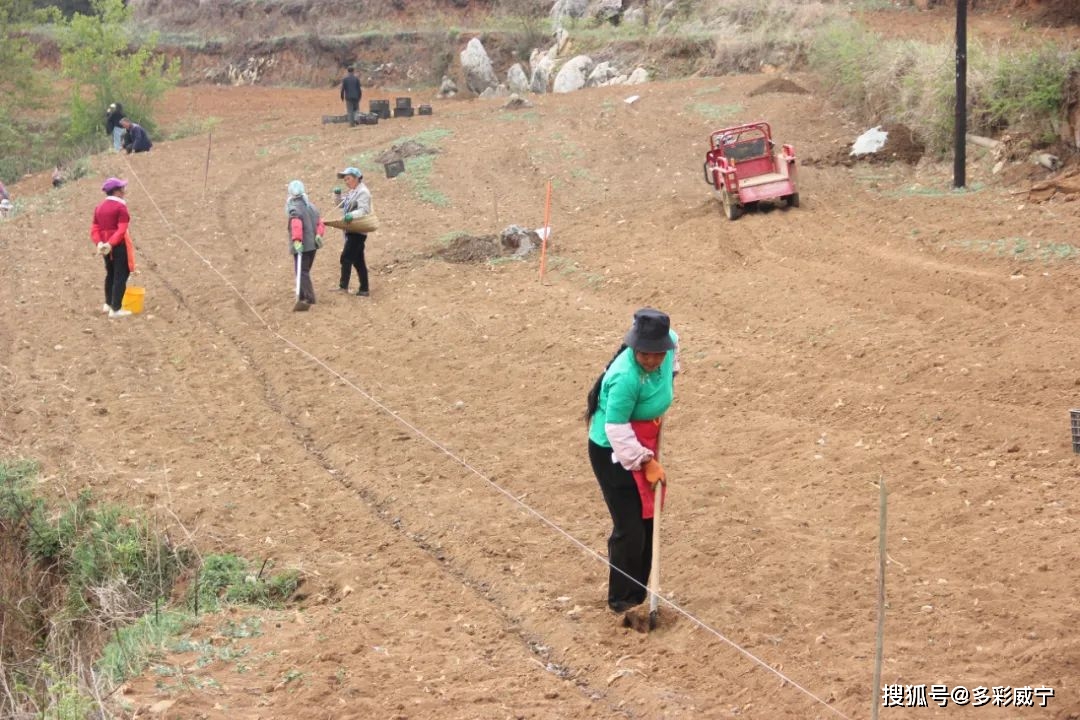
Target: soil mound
[471,249]
[901,145]
[779,85]
[407,149]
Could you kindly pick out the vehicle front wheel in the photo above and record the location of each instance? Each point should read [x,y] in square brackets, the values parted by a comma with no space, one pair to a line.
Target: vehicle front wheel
[792,200]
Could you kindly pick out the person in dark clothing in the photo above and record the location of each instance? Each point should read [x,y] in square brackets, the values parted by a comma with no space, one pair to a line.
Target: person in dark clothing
[351,93]
[113,115]
[135,137]
[355,203]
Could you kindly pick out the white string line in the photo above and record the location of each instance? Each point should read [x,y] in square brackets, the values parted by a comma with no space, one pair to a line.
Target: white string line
[536,513]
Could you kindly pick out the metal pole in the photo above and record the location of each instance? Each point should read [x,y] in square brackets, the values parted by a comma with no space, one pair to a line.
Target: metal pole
[959,148]
[879,638]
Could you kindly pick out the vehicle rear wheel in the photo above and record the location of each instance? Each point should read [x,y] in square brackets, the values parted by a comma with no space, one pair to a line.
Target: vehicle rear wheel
[792,200]
[732,209]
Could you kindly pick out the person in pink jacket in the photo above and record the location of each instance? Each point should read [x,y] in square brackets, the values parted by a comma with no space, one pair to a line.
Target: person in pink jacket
[109,233]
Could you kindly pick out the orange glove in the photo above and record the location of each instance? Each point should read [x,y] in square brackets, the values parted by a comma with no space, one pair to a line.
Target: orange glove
[654,472]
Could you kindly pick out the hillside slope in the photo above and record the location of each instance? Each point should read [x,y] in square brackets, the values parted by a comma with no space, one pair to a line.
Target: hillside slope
[419,455]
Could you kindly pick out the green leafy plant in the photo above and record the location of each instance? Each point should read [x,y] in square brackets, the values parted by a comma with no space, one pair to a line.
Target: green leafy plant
[100,57]
[229,579]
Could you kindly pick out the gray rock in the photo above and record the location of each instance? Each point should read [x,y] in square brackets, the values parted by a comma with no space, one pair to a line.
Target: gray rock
[516,79]
[515,102]
[605,10]
[476,65]
[518,240]
[568,9]
[639,76]
[448,88]
[541,74]
[572,75]
[601,75]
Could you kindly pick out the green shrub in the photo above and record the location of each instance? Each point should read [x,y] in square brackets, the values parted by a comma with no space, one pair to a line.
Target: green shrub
[228,579]
[914,83]
[1027,89]
[97,55]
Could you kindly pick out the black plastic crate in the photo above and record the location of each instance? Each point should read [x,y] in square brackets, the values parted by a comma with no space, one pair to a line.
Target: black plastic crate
[403,102]
[380,108]
[404,112]
[424,110]
[394,168]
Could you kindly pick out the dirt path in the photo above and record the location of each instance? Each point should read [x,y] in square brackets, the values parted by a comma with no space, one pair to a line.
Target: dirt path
[417,472]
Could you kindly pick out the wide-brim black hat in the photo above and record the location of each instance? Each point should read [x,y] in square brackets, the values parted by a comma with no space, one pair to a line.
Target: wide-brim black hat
[651,332]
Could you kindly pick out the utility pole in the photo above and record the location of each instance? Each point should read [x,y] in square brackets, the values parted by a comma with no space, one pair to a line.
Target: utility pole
[959,146]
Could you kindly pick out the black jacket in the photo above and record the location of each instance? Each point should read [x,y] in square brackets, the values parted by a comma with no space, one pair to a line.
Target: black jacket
[136,139]
[350,88]
[112,119]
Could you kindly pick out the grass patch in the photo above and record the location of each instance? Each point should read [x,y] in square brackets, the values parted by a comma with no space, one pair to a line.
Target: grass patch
[427,137]
[447,238]
[1023,249]
[935,192]
[572,271]
[83,589]
[191,125]
[710,111]
[418,174]
[530,116]
[229,579]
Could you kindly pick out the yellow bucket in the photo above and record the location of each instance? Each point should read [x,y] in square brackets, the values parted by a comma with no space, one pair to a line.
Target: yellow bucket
[133,299]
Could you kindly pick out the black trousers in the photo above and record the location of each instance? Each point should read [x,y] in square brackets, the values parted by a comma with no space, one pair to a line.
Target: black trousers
[351,108]
[352,256]
[116,276]
[307,290]
[630,542]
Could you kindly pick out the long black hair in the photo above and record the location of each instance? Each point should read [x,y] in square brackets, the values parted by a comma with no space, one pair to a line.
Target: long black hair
[592,401]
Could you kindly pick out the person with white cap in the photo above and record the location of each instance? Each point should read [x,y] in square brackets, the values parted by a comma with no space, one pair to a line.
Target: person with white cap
[109,233]
[624,412]
[355,203]
[113,115]
[306,232]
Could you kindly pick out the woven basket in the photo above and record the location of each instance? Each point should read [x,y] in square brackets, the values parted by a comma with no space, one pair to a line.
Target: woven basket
[363,224]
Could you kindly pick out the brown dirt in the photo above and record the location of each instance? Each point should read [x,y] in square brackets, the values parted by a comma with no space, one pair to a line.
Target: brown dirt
[778,85]
[888,328]
[470,249]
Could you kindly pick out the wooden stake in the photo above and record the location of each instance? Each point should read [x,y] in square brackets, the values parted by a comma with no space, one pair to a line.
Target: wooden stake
[880,639]
[206,171]
[547,231]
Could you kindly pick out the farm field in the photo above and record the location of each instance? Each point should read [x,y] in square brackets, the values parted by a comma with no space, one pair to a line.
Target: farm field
[419,454]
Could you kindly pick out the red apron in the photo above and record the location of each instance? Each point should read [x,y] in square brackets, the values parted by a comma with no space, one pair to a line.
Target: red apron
[648,434]
[130,247]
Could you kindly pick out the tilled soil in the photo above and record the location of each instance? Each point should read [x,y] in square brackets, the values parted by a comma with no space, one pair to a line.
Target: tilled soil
[419,454]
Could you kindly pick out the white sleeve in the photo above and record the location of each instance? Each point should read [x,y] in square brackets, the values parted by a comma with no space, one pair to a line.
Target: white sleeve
[625,446]
[677,366]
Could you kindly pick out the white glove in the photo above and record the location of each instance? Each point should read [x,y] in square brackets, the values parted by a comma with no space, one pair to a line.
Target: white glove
[104,248]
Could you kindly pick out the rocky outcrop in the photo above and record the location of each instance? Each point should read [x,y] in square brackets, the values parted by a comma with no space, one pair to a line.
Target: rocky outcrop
[476,66]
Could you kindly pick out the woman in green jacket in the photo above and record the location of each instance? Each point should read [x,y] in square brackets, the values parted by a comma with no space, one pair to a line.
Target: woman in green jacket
[625,409]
